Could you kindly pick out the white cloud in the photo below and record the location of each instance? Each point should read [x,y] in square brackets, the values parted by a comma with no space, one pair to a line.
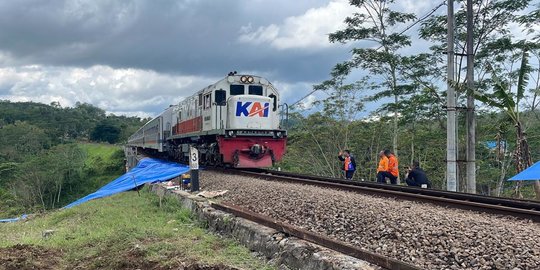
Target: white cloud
[309,101]
[120,91]
[309,30]
[417,7]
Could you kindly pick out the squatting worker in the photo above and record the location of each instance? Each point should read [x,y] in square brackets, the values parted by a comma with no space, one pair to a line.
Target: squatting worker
[416,176]
[349,164]
[392,167]
[382,169]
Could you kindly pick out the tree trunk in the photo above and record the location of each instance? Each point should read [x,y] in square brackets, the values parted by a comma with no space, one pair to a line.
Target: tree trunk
[322,153]
[471,118]
[413,136]
[59,193]
[503,169]
[523,159]
[396,118]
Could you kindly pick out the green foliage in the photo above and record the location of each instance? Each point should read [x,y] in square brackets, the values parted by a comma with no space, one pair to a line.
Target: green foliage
[9,204]
[314,141]
[417,114]
[68,124]
[44,180]
[103,163]
[42,166]
[493,41]
[57,176]
[105,131]
[377,23]
[20,140]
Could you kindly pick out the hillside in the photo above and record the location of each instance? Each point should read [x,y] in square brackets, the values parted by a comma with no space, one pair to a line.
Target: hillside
[52,155]
[56,176]
[126,231]
[60,124]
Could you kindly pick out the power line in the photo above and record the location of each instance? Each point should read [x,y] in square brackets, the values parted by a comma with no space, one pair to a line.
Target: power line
[403,31]
[423,17]
[420,20]
[298,101]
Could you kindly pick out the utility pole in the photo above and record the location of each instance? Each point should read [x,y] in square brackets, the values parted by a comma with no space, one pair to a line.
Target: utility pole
[471,121]
[451,163]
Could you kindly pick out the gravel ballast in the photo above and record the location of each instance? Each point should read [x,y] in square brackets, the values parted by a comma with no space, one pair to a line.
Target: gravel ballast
[426,235]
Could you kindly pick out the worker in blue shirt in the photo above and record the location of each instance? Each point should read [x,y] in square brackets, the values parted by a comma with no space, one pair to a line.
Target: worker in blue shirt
[349,163]
[417,177]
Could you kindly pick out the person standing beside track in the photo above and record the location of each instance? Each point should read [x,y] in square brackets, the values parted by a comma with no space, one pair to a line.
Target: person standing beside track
[392,167]
[382,169]
[349,163]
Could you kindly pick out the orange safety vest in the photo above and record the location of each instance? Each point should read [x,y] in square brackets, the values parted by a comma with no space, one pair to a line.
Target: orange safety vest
[347,162]
[393,165]
[383,164]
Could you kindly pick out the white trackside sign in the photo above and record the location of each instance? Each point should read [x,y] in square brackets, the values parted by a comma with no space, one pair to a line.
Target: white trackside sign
[193,158]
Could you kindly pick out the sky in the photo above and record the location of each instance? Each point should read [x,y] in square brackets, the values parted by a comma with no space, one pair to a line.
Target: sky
[138,57]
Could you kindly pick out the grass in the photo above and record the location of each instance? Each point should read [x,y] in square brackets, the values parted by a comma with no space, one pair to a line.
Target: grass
[98,152]
[103,163]
[120,230]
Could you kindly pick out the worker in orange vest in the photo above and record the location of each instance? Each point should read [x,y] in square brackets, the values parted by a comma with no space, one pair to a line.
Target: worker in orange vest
[382,169]
[349,163]
[392,166]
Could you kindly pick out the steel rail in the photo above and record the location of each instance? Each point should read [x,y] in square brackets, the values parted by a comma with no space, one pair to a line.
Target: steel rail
[517,208]
[337,245]
[516,203]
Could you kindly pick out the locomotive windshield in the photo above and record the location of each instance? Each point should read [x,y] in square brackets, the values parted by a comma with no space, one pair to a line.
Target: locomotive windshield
[255,90]
[237,89]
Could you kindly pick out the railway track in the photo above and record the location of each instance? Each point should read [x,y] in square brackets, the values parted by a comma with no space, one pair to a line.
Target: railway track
[524,209]
[340,246]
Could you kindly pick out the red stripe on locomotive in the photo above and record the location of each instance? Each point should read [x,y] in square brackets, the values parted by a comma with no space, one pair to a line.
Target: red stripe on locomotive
[188,126]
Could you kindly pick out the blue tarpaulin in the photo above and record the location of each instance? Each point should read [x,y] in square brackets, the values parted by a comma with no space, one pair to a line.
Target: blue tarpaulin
[531,173]
[149,170]
[12,219]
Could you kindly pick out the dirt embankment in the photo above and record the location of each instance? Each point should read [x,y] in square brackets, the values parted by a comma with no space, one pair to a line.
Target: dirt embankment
[23,257]
[29,257]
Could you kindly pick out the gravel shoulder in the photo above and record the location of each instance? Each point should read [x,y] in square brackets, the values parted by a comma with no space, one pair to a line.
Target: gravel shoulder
[423,234]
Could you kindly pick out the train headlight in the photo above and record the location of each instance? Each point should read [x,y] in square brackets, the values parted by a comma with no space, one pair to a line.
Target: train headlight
[279,134]
[247,79]
[231,133]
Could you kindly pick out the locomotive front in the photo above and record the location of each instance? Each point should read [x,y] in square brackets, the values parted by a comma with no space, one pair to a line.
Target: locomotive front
[253,137]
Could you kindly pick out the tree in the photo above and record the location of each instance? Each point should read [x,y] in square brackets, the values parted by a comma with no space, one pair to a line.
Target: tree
[21,140]
[42,179]
[492,22]
[377,23]
[106,131]
[342,104]
[509,102]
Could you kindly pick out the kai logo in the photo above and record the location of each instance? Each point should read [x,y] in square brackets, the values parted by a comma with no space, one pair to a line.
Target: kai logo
[251,109]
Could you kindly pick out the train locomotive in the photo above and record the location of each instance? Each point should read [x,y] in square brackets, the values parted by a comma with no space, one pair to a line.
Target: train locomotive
[234,122]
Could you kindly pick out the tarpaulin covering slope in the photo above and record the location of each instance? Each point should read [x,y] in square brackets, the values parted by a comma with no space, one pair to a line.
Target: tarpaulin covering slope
[149,170]
[13,219]
[531,173]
